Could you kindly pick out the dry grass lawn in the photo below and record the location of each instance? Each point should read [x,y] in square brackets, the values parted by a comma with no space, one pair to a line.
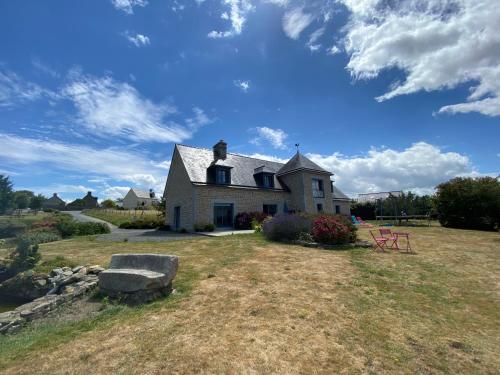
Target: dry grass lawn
[249,306]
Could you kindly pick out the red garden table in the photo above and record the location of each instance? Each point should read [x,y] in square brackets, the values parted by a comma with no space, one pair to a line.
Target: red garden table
[404,235]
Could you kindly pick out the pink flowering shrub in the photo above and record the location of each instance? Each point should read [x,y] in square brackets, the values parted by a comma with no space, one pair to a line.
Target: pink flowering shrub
[333,230]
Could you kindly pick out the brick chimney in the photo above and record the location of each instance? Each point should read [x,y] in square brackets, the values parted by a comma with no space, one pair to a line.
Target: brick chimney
[220,150]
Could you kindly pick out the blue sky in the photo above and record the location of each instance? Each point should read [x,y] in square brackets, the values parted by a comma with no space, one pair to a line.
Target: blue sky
[94,94]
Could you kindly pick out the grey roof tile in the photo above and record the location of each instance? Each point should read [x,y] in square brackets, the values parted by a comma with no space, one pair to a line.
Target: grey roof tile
[197,160]
[299,162]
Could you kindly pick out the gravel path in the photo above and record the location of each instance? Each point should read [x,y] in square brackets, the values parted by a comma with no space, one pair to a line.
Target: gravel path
[79,216]
[132,235]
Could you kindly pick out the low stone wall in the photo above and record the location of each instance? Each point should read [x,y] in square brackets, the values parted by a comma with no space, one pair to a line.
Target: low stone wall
[66,285]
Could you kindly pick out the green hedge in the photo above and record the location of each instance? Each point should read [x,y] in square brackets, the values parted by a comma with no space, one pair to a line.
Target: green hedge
[73,228]
[142,224]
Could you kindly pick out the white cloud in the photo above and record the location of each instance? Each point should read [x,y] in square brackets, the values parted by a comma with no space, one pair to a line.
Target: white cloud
[111,163]
[243,85]
[127,6]
[334,50]
[267,157]
[138,40]
[238,12]
[275,137]
[44,68]
[295,21]
[438,44]
[199,119]
[14,90]
[313,39]
[115,192]
[107,107]
[418,168]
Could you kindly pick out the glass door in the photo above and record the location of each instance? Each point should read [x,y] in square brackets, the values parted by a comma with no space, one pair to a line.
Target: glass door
[223,215]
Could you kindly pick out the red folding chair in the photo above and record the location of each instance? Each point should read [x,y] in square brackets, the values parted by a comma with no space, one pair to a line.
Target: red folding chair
[380,242]
[387,234]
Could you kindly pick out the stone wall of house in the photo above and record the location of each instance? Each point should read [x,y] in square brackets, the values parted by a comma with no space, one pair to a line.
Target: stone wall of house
[179,192]
[310,201]
[300,184]
[131,201]
[345,206]
[243,199]
[294,182]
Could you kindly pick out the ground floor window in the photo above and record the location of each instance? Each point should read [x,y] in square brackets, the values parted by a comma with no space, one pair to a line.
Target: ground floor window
[270,209]
[337,209]
[223,215]
[319,207]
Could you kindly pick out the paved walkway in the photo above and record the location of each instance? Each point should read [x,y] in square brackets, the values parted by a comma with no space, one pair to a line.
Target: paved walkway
[229,232]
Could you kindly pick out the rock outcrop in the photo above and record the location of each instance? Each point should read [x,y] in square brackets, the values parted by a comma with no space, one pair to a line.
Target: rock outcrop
[63,285]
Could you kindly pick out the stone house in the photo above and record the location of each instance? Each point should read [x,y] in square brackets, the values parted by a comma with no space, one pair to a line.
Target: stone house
[212,186]
[137,198]
[86,202]
[54,203]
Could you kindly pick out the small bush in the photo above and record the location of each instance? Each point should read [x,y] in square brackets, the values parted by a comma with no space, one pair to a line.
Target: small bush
[243,220]
[88,229]
[25,256]
[333,230]
[165,227]
[204,227]
[286,227]
[66,228]
[10,228]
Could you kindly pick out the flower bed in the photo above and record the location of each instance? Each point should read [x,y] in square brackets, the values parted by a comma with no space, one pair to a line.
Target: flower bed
[322,229]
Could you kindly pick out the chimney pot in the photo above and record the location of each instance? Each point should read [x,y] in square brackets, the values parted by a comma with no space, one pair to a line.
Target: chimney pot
[220,150]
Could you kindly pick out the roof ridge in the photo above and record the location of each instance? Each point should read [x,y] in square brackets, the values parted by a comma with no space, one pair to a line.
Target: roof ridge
[231,153]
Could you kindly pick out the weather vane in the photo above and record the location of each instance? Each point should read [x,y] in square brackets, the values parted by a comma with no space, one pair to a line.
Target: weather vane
[297,145]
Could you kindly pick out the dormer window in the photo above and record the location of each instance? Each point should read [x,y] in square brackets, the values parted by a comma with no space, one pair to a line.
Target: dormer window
[219,174]
[264,177]
[222,176]
[267,180]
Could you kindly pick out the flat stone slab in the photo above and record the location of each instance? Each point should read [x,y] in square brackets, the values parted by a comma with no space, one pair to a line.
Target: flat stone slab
[132,280]
[139,274]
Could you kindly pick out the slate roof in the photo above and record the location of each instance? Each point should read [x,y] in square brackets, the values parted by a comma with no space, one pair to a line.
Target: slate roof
[300,162]
[338,194]
[197,160]
[141,193]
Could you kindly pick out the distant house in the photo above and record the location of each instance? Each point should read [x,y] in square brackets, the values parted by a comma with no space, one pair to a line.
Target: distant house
[86,202]
[341,202]
[213,186]
[137,198]
[54,203]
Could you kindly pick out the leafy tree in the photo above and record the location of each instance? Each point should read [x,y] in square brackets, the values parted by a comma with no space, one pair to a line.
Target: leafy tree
[109,203]
[37,202]
[469,203]
[22,199]
[6,194]
[161,207]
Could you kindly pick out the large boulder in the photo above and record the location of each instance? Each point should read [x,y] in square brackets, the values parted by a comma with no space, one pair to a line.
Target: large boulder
[138,278]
